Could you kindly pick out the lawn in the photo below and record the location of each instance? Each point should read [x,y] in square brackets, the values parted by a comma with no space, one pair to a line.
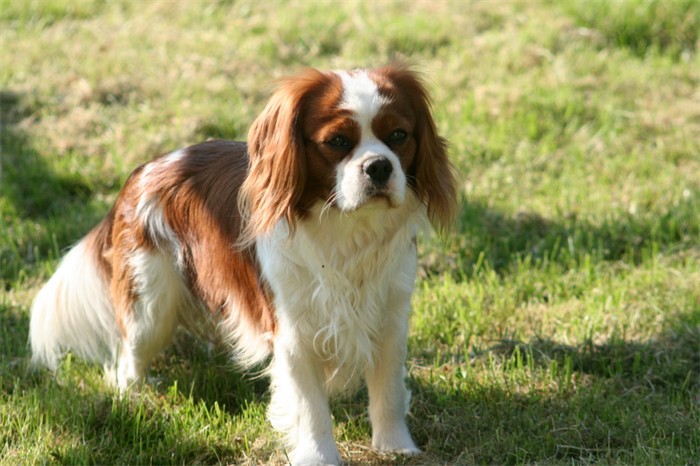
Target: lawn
[557,323]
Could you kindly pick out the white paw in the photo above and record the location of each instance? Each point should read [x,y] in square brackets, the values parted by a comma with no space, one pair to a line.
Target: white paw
[314,456]
[406,451]
[398,441]
[314,462]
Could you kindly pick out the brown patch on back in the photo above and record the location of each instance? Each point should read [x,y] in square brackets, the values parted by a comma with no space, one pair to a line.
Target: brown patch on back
[197,194]
[203,212]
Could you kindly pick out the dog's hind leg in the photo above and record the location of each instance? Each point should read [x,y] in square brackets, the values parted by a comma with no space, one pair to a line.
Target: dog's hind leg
[148,311]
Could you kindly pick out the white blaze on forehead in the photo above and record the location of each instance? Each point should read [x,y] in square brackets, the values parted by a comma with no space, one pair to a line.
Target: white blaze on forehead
[361,96]
[362,99]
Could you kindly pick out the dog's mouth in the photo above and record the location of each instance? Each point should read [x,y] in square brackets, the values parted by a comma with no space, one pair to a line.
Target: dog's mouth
[380,196]
[368,195]
[373,198]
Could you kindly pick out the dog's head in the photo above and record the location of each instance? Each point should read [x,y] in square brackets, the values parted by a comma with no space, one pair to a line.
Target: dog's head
[348,140]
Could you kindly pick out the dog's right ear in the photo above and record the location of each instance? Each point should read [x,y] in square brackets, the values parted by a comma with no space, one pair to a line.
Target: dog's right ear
[277,174]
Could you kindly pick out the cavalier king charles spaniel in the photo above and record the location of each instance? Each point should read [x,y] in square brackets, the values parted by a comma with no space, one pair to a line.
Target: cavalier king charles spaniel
[299,245]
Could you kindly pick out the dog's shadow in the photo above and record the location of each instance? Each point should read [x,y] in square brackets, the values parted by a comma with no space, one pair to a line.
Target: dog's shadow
[570,402]
[189,389]
[207,372]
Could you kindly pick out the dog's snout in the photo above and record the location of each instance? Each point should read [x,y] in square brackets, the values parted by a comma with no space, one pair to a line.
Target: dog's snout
[378,169]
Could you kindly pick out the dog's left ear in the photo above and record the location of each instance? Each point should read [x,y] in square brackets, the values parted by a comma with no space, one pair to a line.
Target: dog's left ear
[432,175]
[277,174]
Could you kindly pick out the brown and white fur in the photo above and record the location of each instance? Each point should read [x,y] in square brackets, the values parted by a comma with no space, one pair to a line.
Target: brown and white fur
[300,245]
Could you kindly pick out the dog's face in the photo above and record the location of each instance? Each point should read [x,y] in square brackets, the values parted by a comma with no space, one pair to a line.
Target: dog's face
[349,140]
[362,146]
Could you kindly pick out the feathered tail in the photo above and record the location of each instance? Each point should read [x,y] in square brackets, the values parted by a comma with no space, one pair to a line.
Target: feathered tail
[73,311]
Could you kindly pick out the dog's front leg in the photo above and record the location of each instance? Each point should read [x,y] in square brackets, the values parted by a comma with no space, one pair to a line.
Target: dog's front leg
[388,396]
[299,405]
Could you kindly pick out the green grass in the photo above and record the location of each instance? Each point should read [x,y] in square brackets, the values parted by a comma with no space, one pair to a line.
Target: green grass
[558,323]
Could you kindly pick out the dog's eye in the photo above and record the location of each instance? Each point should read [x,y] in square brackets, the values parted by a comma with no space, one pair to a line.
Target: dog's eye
[397,137]
[339,142]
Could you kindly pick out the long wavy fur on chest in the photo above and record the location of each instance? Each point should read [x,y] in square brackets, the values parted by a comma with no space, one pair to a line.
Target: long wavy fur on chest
[336,279]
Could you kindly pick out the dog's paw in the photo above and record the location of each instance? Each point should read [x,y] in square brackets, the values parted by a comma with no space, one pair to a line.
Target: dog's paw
[315,455]
[398,441]
[407,451]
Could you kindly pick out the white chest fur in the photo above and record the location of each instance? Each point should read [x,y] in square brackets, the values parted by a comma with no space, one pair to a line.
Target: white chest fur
[339,281]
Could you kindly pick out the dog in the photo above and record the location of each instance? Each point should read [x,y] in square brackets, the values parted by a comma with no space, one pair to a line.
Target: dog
[299,245]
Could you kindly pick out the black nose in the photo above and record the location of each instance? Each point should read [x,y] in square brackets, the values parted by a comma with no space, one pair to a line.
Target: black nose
[378,169]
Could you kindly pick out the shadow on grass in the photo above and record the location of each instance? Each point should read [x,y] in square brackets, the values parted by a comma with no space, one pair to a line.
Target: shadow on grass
[604,403]
[14,328]
[30,185]
[486,236]
[133,432]
[41,210]
[100,428]
[95,426]
[617,402]
[208,375]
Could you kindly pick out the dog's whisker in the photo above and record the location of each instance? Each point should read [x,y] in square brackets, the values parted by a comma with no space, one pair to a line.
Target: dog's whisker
[328,205]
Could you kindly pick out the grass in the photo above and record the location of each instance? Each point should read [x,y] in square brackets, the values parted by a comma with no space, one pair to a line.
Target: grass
[559,322]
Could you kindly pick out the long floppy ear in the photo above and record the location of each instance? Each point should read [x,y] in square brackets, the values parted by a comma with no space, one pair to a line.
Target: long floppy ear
[432,175]
[277,174]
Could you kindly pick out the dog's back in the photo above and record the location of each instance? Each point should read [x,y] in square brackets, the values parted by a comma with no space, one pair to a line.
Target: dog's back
[121,292]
